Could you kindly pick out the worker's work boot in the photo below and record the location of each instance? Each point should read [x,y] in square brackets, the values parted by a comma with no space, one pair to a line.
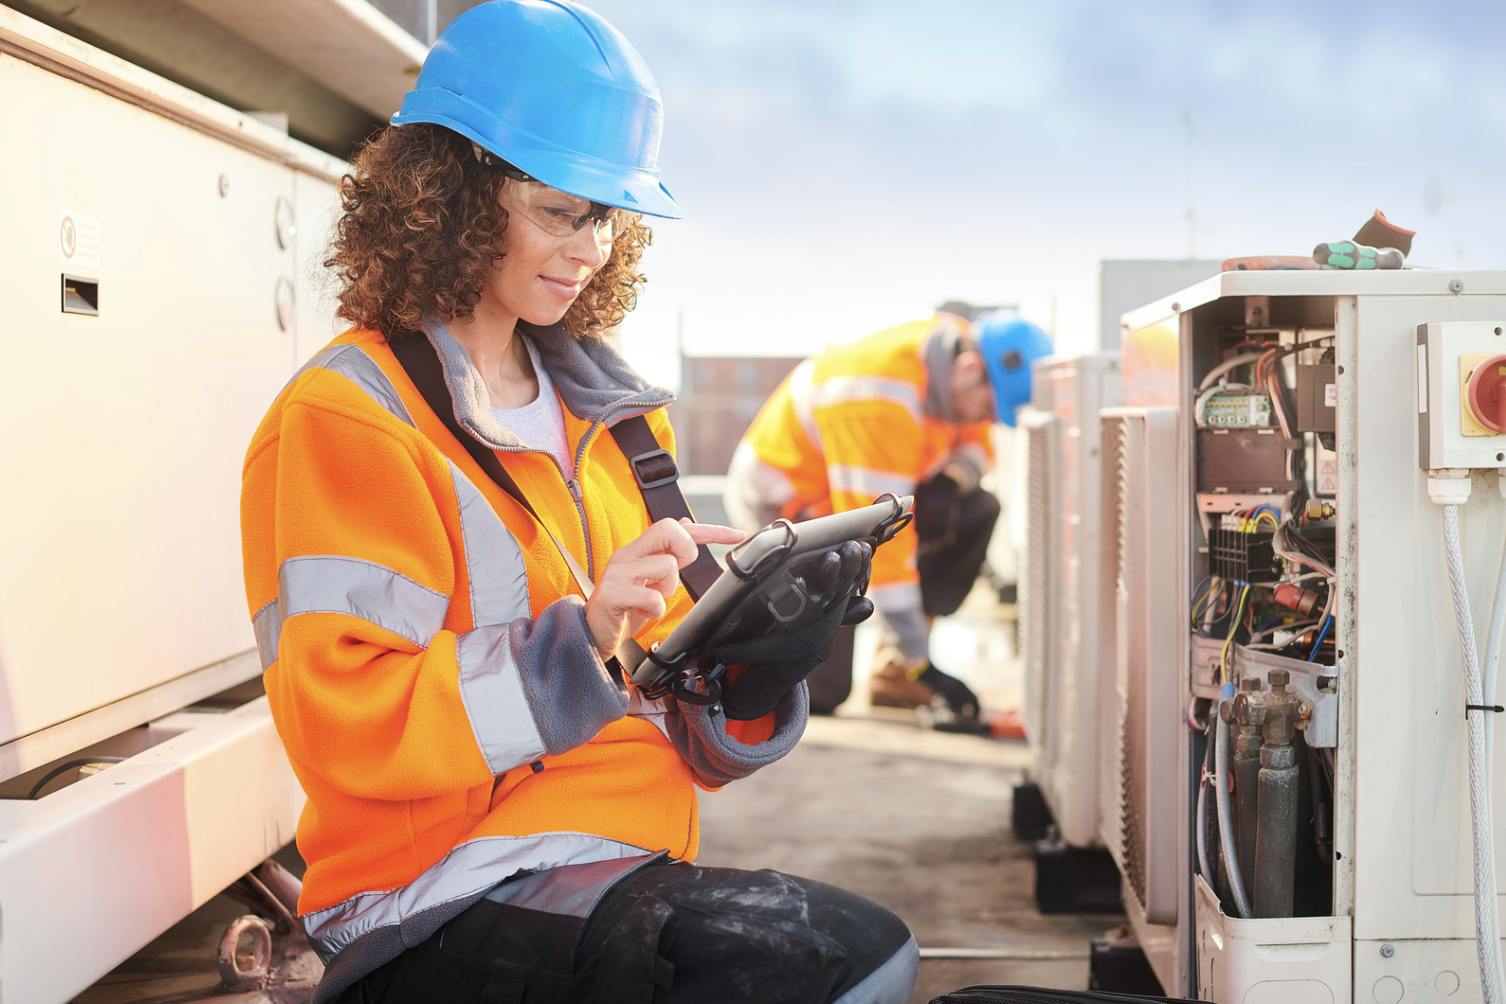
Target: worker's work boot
[890,685]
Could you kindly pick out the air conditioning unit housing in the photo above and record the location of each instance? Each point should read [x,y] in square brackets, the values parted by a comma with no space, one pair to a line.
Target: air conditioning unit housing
[1140,637]
[1060,588]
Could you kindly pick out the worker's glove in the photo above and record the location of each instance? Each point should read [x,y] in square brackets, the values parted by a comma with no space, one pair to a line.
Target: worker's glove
[938,513]
[784,629]
[961,702]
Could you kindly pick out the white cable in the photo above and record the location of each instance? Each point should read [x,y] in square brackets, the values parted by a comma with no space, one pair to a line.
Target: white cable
[1226,820]
[1493,648]
[1243,359]
[1204,868]
[1482,821]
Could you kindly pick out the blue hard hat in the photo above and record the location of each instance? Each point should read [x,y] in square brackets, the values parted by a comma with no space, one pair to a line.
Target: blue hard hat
[1009,347]
[554,90]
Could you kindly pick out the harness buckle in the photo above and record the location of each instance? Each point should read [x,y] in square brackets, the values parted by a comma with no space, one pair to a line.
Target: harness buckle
[655,469]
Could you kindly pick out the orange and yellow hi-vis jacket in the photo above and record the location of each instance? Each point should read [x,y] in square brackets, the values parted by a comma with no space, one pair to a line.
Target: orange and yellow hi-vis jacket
[861,419]
[426,653]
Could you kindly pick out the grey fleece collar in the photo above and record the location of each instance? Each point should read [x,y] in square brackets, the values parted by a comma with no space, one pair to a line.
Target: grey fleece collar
[592,379]
[939,355]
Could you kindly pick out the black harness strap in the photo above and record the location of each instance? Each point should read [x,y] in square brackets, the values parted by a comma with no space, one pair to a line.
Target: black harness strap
[659,481]
[653,467]
[422,364]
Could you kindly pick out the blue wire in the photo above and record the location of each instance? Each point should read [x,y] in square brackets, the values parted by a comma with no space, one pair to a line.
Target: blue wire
[1327,623]
[1275,513]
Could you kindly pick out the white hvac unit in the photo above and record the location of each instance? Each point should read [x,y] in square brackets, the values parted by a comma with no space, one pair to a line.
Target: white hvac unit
[1037,588]
[157,276]
[1062,666]
[1141,634]
[1321,824]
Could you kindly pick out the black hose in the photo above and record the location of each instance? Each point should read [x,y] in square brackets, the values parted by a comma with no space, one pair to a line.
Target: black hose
[63,768]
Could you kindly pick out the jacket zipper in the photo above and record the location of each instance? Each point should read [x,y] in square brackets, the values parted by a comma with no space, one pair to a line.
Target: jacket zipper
[574,488]
[572,484]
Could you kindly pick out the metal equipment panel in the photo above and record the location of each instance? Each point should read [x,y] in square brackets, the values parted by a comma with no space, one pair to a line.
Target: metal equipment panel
[1412,825]
[1138,785]
[1295,960]
[1064,720]
[91,873]
[131,402]
[1037,573]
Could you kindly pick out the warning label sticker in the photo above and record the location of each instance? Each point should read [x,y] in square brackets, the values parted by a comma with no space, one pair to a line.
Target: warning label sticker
[80,244]
[1328,473]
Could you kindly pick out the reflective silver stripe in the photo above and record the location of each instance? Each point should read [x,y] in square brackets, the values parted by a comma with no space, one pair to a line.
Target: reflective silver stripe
[570,890]
[975,456]
[268,626]
[867,481]
[374,593]
[966,465]
[847,389]
[499,579]
[352,362]
[464,873]
[895,596]
[490,685]
[802,399]
[755,492]
[492,691]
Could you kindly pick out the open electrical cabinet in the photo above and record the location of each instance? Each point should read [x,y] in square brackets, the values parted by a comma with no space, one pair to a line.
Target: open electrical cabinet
[1303,618]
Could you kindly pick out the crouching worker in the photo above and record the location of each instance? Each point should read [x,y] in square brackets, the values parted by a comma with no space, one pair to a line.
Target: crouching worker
[446,543]
[906,411]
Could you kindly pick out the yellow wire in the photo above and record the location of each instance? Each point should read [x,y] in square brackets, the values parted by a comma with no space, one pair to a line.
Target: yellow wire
[1197,604]
[1223,659]
[1266,515]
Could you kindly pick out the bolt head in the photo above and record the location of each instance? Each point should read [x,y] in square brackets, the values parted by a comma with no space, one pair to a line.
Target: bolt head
[1250,683]
[1455,286]
[1387,951]
[1279,678]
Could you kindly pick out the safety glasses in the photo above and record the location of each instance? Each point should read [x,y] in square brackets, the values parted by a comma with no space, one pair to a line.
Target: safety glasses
[557,213]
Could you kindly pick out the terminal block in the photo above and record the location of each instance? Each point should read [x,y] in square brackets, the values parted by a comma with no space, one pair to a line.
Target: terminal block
[1239,552]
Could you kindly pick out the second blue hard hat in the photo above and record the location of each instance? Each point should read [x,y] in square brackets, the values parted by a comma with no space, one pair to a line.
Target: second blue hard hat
[1010,346]
[553,89]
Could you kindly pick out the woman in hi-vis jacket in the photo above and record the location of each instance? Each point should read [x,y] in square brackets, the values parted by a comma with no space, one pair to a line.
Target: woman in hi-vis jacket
[493,814]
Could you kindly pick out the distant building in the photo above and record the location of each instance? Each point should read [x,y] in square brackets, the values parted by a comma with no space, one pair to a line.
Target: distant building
[719,397]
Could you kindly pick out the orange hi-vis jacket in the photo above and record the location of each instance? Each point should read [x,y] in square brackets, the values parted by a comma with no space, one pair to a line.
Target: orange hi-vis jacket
[861,419]
[426,654]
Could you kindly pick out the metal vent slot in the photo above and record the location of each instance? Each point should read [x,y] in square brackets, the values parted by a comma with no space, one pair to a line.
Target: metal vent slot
[1138,782]
[1041,515]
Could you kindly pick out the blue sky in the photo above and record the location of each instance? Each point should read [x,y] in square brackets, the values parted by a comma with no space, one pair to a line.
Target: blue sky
[846,165]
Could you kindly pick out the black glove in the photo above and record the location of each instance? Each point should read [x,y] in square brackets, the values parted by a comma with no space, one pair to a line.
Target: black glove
[938,513]
[785,628]
[959,698]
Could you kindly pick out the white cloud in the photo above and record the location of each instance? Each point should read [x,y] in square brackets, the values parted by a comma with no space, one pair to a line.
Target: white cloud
[847,164]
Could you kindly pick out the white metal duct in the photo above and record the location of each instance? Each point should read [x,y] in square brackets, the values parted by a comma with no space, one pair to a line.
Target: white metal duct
[1138,781]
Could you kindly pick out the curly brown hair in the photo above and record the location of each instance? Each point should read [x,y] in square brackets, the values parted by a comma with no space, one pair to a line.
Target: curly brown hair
[420,233]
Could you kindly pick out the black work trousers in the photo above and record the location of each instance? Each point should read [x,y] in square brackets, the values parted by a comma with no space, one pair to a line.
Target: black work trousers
[954,529]
[669,933]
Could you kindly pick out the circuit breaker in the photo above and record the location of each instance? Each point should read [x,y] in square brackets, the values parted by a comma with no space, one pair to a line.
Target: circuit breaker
[1461,394]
